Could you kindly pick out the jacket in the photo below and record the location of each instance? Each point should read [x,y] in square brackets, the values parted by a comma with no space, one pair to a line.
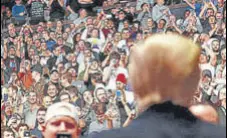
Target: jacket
[166,121]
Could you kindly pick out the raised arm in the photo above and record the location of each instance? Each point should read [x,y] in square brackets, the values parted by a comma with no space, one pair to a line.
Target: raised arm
[192,6]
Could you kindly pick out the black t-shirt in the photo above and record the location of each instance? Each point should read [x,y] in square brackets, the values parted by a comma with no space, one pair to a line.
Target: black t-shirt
[73,4]
[56,7]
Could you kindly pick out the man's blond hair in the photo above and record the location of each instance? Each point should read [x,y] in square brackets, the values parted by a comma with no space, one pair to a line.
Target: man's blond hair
[165,68]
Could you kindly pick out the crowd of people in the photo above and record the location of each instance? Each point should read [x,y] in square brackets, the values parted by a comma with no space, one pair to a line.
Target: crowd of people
[85,61]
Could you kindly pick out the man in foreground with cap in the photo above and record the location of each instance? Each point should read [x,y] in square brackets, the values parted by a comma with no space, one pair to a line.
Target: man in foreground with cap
[164,90]
[61,118]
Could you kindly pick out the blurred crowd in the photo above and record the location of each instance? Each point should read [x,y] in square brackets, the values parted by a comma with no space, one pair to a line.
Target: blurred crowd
[45,60]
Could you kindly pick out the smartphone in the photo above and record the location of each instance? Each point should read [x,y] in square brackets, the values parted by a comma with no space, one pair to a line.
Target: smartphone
[64,135]
[27,134]
[99,10]
[109,16]
[5,97]
[118,94]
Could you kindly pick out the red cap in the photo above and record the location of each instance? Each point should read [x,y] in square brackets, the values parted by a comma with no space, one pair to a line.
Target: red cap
[121,78]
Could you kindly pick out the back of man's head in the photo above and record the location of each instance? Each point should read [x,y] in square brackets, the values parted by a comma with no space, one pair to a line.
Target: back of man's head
[165,68]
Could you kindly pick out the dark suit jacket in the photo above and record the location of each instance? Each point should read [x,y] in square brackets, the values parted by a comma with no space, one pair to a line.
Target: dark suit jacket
[222,116]
[166,121]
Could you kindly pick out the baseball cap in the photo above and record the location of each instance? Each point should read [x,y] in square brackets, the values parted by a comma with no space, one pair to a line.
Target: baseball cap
[61,109]
[207,73]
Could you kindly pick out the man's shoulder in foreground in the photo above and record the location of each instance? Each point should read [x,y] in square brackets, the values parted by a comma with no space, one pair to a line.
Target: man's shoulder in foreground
[159,123]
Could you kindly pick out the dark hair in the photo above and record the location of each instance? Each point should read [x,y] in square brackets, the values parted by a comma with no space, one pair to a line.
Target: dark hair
[7,129]
[143,5]
[23,125]
[99,108]
[64,93]
[42,109]
[115,55]
[97,77]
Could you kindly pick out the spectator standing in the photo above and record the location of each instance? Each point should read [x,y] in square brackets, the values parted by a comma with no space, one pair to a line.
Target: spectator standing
[160,11]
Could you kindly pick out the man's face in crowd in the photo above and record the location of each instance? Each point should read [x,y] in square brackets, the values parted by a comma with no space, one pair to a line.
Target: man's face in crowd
[52,91]
[27,65]
[47,101]
[120,85]
[12,30]
[60,67]
[35,74]
[89,21]
[132,9]
[160,2]
[49,25]
[41,117]
[95,33]
[62,124]
[210,12]
[8,134]
[223,54]
[88,98]
[215,46]
[220,3]
[126,25]
[12,52]
[60,41]
[31,52]
[187,14]
[161,24]
[65,98]
[64,80]
[102,95]
[32,98]
[40,29]
[203,59]
[11,92]
[65,36]
[121,15]
[117,37]
[73,72]
[18,1]
[83,13]
[8,110]
[94,65]
[206,80]
[150,23]
[59,24]
[126,34]
[57,51]
[222,94]
[219,16]
[87,54]
[37,43]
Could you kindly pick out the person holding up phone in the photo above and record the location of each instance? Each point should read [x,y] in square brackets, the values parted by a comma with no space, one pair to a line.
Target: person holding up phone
[123,98]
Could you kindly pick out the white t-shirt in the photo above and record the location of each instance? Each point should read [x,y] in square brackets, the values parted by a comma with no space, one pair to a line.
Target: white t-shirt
[111,85]
[129,97]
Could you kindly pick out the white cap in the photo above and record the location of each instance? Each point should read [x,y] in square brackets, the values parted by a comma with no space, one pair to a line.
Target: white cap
[61,109]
